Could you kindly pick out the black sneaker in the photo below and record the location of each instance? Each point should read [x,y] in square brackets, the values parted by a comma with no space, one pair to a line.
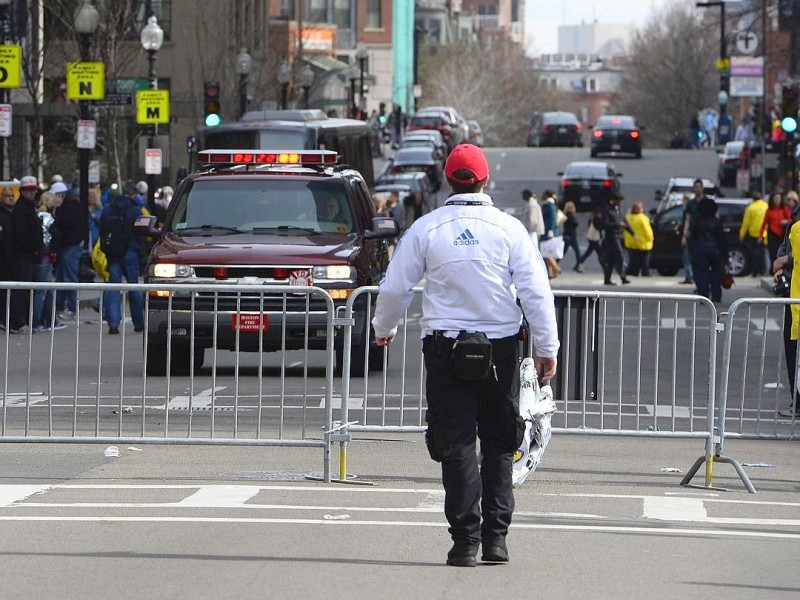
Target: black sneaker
[113,330]
[495,551]
[609,282]
[462,556]
[625,280]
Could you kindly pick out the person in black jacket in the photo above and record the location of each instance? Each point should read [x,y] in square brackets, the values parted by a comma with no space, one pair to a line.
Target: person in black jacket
[708,250]
[26,246]
[613,252]
[6,206]
[70,230]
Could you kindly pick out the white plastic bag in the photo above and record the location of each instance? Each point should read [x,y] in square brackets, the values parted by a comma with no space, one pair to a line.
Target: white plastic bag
[536,407]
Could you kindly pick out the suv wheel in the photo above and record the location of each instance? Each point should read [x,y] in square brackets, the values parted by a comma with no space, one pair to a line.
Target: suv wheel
[738,260]
[157,358]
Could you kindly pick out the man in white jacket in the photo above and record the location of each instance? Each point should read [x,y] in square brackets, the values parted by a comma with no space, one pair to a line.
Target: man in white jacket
[476,261]
[532,216]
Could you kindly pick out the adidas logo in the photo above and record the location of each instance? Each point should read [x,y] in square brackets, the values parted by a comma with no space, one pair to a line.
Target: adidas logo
[466,239]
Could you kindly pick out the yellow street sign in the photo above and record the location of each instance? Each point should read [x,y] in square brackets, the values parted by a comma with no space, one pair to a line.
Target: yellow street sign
[86,81]
[10,66]
[722,64]
[152,106]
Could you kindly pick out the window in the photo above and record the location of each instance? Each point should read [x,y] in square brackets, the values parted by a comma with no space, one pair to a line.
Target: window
[374,10]
[122,18]
[342,13]
[317,11]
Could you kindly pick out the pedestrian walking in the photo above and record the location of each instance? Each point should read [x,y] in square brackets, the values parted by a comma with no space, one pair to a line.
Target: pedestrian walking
[594,235]
[708,250]
[551,244]
[569,231]
[639,245]
[476,262]
[69,232]
[25,250]
[782,269]
[123,249]
[776,218]
[7,201]
[614,256]
[752,233]
[532,216]
[690,211]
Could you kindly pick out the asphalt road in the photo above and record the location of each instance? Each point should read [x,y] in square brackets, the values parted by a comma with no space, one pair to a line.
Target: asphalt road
[603,517]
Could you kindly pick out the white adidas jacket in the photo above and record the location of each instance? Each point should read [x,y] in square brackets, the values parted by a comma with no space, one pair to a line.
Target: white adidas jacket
[476,260]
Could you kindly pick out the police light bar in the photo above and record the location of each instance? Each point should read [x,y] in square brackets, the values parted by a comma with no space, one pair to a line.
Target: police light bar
[271,157]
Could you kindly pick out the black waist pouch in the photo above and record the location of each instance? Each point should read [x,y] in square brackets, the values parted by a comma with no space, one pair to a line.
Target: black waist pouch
[472,356]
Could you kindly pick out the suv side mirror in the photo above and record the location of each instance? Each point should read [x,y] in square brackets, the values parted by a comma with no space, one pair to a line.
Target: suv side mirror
[382,228]
[146,225]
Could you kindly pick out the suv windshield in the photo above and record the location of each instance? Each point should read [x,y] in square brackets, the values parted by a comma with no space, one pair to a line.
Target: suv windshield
[554,118]
[430,121]
[250,205]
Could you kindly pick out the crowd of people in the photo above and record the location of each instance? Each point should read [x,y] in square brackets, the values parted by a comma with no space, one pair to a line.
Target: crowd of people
[621,242]
[47,234]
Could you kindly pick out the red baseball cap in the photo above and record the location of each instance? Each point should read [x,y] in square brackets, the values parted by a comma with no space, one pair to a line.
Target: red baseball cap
[469,158]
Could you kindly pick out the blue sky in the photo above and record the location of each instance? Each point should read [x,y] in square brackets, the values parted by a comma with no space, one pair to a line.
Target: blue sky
[544,16]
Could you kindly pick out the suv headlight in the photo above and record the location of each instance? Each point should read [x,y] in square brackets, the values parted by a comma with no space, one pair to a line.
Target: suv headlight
[171,270]
[335,273]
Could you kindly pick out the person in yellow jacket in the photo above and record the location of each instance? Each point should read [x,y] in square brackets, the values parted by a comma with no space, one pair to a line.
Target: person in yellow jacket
[750,234]
[640,244]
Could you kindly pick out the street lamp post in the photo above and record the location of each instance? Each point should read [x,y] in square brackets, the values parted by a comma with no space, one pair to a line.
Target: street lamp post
[352,75]
[361,54]
[4,4]
[305,78]
[85,23]
[244,63]
[723,54]
[284,76]
[152,37]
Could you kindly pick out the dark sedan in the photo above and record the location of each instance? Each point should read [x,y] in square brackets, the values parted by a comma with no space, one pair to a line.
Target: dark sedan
[667,250]
[419,159]
[616,134]
[554,129]
[589,184]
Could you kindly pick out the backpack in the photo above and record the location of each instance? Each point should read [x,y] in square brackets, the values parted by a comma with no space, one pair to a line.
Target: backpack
[116,230]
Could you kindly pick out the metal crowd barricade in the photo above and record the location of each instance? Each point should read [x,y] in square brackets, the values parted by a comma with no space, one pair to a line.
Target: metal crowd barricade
[752,375]
[82,385]
[630,364]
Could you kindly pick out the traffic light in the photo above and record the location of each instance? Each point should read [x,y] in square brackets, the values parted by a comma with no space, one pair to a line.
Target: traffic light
[789,109]
[212,106]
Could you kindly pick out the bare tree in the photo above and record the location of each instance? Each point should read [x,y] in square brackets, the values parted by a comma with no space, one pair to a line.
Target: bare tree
[493,82]
[671,72]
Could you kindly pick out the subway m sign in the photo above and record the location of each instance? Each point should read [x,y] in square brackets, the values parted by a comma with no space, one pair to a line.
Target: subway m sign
[152,106]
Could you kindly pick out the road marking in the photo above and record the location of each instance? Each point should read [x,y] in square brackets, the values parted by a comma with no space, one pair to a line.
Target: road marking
[336,402]
[674,509]
[16,399]
[666,411]
[201,401]
[216,495]
[655,531]
[10,494]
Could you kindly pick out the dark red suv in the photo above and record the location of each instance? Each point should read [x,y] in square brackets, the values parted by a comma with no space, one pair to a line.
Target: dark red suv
[435,121]
[272,218]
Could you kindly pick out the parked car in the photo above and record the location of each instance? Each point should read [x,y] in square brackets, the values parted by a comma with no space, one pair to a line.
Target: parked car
[677,187]
[616,134]
[422,142]
[419,159]
[430,134]
[589,184]
[417,181]
[729,161]
[555,129]
[436,121]
[458,125]
[666,256]
[475,132]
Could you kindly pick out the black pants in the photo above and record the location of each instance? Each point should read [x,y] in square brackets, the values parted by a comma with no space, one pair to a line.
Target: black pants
[23,268]
[456,410]
[613,256]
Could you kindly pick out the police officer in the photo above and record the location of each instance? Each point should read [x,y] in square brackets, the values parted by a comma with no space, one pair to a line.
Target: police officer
[476,262]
